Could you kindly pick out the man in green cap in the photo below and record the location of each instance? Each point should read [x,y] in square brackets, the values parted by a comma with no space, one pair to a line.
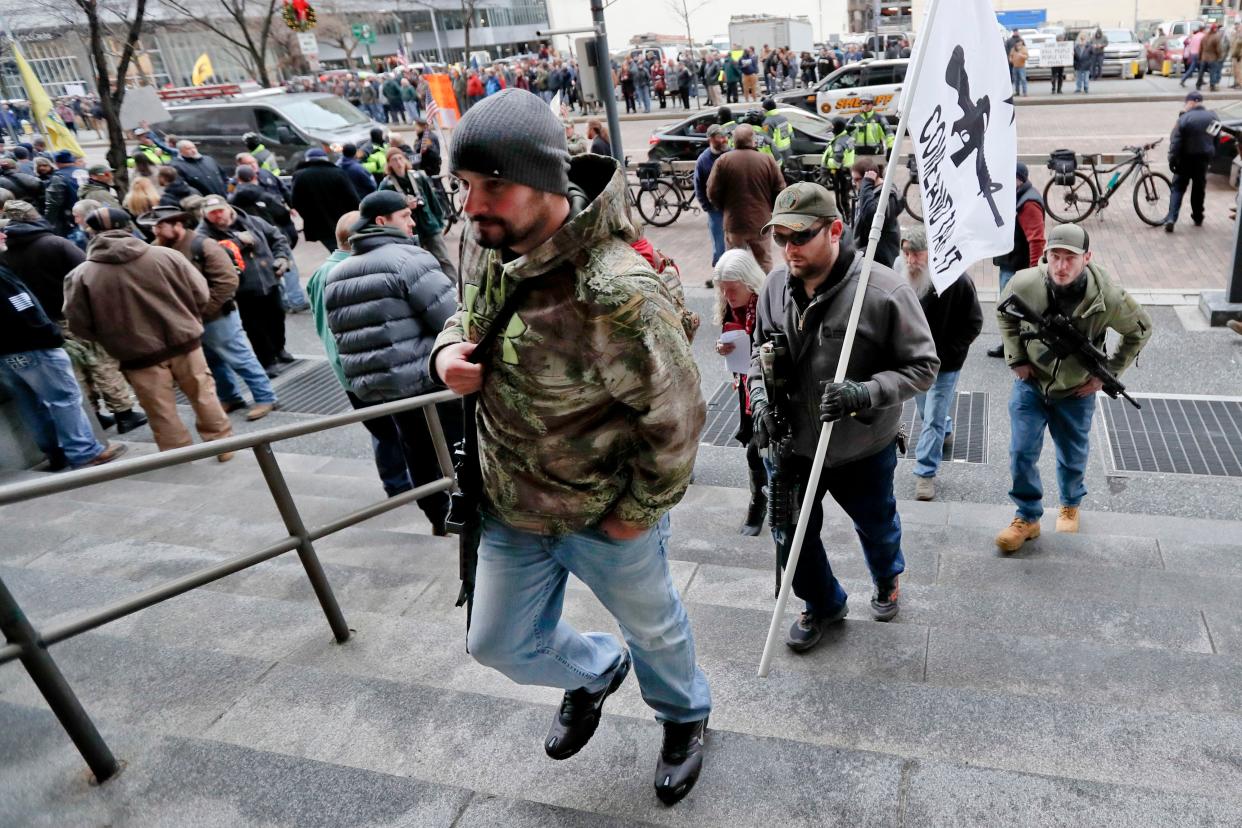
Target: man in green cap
[99,186]
[808,300]
[1059,394]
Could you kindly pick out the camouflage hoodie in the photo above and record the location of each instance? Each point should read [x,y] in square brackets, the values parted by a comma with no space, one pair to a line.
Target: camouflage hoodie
[591,400]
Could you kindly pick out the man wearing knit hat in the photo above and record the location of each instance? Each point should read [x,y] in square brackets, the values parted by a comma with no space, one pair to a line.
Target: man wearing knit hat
[955,320]
[385,305]
[588,416]
[62,193]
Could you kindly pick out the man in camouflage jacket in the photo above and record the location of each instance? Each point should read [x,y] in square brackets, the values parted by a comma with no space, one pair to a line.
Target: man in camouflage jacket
[589,412]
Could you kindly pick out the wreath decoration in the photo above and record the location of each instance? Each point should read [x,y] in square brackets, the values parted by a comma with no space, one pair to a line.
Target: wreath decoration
[298,15]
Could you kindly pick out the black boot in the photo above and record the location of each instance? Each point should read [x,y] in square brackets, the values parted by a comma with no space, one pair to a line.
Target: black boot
[681,759]
[997,352]
[579,715]
[129,420]
[106,421]
[758,508]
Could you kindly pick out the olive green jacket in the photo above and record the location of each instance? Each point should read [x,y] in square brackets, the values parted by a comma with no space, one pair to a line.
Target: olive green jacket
[1106,305]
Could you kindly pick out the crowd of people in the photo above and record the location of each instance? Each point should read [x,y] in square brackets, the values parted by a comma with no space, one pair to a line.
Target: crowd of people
[587,393]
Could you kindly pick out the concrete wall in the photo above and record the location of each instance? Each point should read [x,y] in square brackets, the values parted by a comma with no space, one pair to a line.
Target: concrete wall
[1104,12]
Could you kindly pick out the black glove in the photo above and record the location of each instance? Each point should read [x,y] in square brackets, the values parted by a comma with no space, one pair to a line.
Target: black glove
[765,423]
[842,399]
[1173,164]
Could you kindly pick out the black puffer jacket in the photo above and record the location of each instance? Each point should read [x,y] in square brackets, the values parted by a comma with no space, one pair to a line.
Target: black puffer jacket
[42,260]
[201,173]
[864,213]
[175,192]
[23,186]
[1190,138]
[259,243]
[386,304]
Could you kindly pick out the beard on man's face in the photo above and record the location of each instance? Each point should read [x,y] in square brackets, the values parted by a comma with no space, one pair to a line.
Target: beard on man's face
[493,232]
[920,279]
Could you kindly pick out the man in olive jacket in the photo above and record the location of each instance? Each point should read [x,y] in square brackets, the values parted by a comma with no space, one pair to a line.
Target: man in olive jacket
[1057,394]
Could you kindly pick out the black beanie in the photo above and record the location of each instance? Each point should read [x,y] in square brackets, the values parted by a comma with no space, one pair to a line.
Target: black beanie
[513,135]
[378,203]
[107,218]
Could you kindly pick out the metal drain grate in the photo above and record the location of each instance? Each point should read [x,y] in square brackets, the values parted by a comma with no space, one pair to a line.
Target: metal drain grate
[970,428]
[722,418]
[970,424]
[1175,435]
[306,386]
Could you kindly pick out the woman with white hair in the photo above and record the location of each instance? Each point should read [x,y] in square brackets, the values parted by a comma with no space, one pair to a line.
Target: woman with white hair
[739,278]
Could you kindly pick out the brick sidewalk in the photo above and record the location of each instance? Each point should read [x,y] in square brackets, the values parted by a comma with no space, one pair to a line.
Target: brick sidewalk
[1139,256]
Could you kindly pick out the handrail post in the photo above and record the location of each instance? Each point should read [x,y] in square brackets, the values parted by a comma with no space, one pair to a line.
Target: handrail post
[306,550]
[56,691]
[444,452]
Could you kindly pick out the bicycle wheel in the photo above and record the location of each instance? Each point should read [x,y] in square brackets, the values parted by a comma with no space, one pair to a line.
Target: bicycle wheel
[660,206]
[912,200]
[1152,193]
[1071,202]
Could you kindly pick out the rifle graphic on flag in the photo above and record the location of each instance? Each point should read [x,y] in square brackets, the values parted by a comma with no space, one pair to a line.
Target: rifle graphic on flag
[58,135]
[956,105]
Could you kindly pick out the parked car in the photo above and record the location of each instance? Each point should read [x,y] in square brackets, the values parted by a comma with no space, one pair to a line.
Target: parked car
[838,93]
[686,139]
[1226,158]
[1124,47]
[289,124]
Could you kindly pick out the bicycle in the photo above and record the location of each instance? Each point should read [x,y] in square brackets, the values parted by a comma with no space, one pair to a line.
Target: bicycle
[663,192]
[1072,195]
[912,193]
[448,187]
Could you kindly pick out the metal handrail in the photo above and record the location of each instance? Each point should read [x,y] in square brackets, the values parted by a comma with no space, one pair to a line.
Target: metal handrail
[30,645]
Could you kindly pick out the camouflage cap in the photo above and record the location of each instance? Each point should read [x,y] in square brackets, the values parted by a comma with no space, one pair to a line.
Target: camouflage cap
[18,210]
[801,205]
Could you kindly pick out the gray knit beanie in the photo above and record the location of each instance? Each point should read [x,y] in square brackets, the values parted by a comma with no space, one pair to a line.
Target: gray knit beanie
[513,135]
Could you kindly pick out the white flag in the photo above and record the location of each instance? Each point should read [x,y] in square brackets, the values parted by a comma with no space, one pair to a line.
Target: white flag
[962,124]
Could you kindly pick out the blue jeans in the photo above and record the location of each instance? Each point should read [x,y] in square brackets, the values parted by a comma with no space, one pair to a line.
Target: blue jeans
[228,353]
[715,221]
[864,489]
[1082,77]
[1019,80]
[934,408]
[50,402]
[1005,276]
[386,446]
[1192,67]
[644,97]
[1069,422]
[517,626]
[293,296]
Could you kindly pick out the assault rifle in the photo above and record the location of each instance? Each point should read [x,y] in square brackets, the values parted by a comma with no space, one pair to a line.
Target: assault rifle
[784,489]
[1058,333]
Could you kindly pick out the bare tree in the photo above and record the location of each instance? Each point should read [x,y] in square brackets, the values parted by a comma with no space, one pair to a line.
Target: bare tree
[111,87]
[246,25]
[683,11]
[289,57]
[335,31]
[468,8]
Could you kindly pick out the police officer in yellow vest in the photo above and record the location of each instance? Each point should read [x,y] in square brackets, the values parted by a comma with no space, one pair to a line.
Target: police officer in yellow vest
[871,132]
[267,161]
[778,129]
[837,161]
[763,143]
[724,117]
[151,147]
[376,162]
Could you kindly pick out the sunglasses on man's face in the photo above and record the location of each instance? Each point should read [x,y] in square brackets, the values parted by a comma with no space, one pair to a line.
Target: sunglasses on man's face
[796,239]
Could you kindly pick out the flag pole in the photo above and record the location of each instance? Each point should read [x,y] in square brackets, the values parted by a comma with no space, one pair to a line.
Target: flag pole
[851,330]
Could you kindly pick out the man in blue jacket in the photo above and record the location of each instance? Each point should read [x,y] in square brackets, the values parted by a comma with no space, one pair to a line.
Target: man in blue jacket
[386,304]
[362,181]
[717,145]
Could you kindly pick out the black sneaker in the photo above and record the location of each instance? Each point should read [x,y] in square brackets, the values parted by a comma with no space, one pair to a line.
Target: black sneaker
[106,421]
[233,405]
[285,357]
[808,629]
[127,421]
[884,603]
[1168,227]
[997,352]
[680,760]
[575,722]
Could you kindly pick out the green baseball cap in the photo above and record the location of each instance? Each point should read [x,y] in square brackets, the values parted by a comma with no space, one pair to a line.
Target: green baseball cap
[801,205]
[1069,237]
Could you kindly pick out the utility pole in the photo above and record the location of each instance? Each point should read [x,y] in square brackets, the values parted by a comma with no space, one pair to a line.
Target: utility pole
[603,76]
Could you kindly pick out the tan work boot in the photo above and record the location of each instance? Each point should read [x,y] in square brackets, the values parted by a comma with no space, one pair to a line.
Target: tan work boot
[925,488]
[226,456]
[110,453]
[1067,520]
[1016,534]
[259,411]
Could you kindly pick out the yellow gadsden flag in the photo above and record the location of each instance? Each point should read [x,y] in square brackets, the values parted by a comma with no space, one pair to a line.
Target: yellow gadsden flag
[202,70]
[58,135]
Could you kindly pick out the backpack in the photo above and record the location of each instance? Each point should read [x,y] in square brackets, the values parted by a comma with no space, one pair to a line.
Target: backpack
[670,276]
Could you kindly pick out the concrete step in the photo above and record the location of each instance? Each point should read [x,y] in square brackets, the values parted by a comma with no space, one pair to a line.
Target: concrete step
[445,740]
[174,780]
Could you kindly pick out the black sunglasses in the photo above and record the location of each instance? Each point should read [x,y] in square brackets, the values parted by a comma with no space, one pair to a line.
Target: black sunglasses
[797,239]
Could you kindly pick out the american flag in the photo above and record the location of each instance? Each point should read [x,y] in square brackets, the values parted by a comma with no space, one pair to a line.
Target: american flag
[433,112]
[402,58]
